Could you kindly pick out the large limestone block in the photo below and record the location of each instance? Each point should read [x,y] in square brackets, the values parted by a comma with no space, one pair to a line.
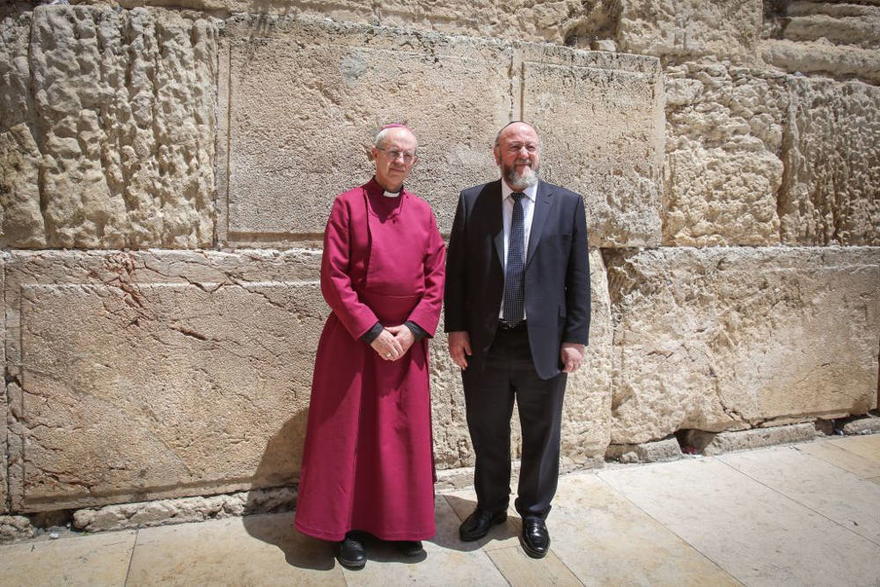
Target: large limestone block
[728,29]
[533,20]
[601,120]
[831,192]
[731,338]
[108,128]
[306,97]
[725,128]
[157,374]
[834,39]
[586,426]
[586,423]
[822,57]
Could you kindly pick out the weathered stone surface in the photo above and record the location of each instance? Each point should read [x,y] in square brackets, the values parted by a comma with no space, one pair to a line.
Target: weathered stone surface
[15,528]
[285,167]
[724,128]
[600,116]
[307,96]
[183,510]
[711,444]
[586,427]
[533,20]
[822,57]
[4,451]
[831,190]
[646,452]
[157,374]
[726,338]
[851,25]
[107,128]
[867,425]
[838,40]
[690,28]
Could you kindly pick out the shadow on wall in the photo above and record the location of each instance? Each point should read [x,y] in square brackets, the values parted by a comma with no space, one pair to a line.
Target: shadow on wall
[273,492]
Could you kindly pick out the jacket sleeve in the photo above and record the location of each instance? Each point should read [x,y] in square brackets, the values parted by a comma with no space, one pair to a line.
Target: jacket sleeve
[577,281]
[336,283]
[454,308]
[426,314]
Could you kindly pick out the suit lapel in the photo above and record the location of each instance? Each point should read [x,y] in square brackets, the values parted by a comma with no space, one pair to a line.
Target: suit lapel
[543,203]
[496,219]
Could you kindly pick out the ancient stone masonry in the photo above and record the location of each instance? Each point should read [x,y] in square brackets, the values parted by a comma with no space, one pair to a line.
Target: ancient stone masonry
[166,169]
[156,374]
[107,128]
[291,79]
[730,338]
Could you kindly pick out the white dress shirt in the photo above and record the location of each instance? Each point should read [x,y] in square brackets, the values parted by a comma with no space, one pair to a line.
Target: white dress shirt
[528,205]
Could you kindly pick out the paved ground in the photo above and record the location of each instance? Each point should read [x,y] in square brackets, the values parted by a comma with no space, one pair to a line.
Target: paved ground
[807,514]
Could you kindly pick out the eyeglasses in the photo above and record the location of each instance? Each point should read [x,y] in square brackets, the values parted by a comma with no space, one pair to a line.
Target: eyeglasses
[517,147]
[408,156]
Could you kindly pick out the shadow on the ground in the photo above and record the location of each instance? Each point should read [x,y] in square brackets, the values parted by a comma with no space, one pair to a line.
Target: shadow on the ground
[271,518]
[447,526]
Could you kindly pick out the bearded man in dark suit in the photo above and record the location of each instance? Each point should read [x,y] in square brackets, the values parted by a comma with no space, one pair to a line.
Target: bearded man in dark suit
[518,317]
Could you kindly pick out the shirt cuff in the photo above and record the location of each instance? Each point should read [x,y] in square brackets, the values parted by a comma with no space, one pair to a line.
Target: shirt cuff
[417,331]
[373,333]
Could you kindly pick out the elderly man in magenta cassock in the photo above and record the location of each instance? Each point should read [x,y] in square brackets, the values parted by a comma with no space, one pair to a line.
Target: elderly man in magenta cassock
[368,462]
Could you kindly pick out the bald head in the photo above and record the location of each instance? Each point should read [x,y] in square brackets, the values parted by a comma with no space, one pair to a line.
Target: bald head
[390,131]
[514,126]
[518,154]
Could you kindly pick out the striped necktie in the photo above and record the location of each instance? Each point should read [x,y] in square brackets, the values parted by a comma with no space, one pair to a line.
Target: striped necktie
[514,282]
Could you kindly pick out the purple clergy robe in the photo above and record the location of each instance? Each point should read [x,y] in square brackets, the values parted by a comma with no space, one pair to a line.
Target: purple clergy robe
[368,459]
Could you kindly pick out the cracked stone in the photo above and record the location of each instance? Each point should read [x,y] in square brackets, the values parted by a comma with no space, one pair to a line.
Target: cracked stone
[730,338]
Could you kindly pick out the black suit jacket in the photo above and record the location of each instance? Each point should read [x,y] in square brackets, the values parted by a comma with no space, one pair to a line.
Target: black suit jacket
[557,273]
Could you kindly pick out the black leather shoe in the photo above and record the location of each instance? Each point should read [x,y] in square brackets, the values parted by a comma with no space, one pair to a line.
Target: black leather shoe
[351,552]
[478,524]
[535,539]
[410,547]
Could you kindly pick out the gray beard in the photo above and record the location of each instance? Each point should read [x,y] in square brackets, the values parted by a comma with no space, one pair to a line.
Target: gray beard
[521,182]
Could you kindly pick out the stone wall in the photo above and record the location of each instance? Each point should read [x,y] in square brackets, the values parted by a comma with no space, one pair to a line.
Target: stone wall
[166,168]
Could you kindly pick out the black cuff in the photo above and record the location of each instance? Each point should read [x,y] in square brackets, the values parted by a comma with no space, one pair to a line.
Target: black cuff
[373,333]
[418,332]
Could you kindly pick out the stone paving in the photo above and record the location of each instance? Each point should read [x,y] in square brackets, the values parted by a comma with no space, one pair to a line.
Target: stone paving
[805,514]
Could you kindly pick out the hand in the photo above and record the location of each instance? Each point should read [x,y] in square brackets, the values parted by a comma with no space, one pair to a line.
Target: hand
[404,337]
[459,345]
[387,346]
[572,355]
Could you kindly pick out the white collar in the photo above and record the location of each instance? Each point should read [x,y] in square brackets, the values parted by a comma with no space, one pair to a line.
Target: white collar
[531,192]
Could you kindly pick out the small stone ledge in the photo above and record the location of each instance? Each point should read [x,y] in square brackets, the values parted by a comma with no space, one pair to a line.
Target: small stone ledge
[16,528]
[711,443]
[646,452]
[869,424]
[188,509]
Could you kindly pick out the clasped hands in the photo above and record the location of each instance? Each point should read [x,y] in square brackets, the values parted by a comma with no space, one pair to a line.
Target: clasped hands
[393,342]
[571,355]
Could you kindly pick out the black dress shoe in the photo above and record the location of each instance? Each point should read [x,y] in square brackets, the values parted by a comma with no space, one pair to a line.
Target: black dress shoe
[410,547]
[351,552]
[535,539]
[478,524]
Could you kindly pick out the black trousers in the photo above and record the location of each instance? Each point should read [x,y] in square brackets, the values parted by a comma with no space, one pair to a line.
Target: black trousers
[508,375]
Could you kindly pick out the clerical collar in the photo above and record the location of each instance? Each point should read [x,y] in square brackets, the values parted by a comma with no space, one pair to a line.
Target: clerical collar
[388,194]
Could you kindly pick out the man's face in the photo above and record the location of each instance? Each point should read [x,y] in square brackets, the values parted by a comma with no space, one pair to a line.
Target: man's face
[518,154]
[394,158]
